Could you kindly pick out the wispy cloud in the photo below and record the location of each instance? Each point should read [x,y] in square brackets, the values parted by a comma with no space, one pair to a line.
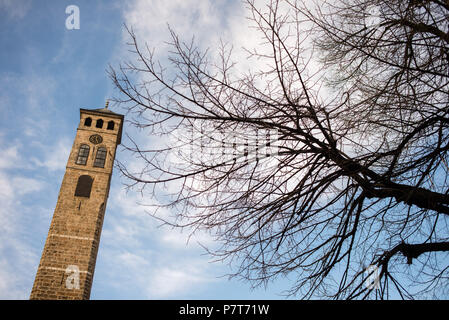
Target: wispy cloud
[178,279]
[16,255]
[162,262]
[55,160]
[15,9]
[155,274]
[158,262]
[28,93]
[201,18]
[10,157]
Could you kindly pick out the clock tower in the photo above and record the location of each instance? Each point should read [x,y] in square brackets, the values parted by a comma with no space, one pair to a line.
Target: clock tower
[66,268]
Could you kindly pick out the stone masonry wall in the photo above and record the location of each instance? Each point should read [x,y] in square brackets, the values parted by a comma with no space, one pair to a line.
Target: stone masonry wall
[68,259]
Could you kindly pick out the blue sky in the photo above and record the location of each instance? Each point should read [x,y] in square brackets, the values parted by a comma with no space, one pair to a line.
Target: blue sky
[47,73]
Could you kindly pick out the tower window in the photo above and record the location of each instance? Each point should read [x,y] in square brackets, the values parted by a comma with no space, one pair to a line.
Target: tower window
[83,154]
[111,125]
[84,186]
[88,122]
[100,159]
[99,123]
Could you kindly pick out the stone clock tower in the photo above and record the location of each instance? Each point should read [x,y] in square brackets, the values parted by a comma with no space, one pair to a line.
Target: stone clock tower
[66,268]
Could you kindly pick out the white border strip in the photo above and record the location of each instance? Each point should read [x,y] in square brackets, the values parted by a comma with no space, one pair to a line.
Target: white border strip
[70,237]
[62,269]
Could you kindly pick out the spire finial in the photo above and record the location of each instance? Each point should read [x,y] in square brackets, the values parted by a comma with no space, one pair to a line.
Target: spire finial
[107,104]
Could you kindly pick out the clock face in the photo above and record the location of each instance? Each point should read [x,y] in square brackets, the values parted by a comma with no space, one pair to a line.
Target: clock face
[95,139]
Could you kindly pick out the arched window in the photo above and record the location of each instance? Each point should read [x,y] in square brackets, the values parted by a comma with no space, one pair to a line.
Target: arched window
[83,154]
[88,122]
[84,186]
[111,125]
[99,123]
[100,159]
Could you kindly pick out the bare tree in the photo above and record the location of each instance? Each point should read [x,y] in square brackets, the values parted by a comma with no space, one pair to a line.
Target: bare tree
[351,197]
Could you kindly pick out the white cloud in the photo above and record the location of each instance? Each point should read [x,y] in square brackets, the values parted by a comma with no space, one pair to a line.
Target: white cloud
[17,257]
[158,261]
[29,93]
[16,9]
[208,22]
[149,19]
[155,274]
[24,185]
[40,91]
[8,282]
[9,158]
[178,239]
[12,188]
[136,220]
[178,279]
[161,262]
[36,127]
[57,159]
